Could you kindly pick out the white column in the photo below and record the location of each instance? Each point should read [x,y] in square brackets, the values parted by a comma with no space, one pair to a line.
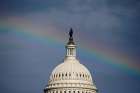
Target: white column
[70,51]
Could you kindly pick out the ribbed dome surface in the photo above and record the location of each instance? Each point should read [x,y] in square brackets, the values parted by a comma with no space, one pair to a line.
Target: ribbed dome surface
[71,72]
[71,69]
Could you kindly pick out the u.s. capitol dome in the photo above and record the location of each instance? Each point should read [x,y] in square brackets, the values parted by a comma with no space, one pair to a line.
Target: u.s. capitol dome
[70,76]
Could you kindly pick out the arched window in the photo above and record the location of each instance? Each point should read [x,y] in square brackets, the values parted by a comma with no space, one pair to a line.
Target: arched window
[66,74]
[77,74]
[64,91]
[70,51]
[83,75]
[69,91]
[78,91]
[69,74]
[80,75]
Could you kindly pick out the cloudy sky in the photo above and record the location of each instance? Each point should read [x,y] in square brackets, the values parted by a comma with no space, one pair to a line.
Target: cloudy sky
[33,34]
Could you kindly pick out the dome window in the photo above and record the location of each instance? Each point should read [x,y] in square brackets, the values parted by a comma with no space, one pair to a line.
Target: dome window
[66,75]
[70,51]
[80,75]
[59,75]
[76,74]
[69,74]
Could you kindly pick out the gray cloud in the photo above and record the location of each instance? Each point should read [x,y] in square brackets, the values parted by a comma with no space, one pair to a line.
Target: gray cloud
[118,20]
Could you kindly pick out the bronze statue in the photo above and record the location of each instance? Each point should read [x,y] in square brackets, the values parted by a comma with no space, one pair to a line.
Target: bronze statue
[71,33]
[71,37]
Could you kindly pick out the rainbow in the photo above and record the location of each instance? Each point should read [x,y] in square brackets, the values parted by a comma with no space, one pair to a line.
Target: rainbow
[27,29]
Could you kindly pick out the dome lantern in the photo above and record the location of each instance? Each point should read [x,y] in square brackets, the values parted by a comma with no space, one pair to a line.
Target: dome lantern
[70,47]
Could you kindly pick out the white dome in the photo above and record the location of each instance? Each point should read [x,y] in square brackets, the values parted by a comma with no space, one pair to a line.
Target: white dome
[71,72]
[71,69]
[70,75]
